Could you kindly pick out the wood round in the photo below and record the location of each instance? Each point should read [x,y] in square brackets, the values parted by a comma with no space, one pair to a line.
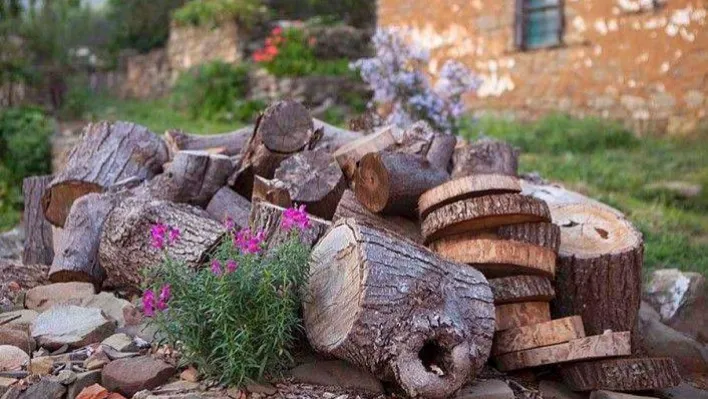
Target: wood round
[521,289]
[514,315]
[538,335]
[640,374]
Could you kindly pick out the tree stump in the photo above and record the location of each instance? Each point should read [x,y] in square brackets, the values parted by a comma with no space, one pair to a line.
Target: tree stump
[107,154]
[485,156]
[125,247]
[38,247]
[194,177]
[268,218]
[521,289]
[349,155]
[226,204]
[641,374]
[391,183]
[514,315]
[394,308]
[229,144]
[538,335]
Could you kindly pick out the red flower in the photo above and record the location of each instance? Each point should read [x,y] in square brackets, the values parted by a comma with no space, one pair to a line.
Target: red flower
[271,50]
[277,31]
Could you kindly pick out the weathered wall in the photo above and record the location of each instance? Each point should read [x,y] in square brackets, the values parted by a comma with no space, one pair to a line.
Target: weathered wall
[646,67]
[147,75]
[191,45]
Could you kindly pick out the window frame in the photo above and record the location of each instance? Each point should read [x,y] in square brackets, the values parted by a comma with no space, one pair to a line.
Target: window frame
[522,13]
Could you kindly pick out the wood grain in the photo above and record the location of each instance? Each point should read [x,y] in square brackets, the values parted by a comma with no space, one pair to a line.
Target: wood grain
[538,335]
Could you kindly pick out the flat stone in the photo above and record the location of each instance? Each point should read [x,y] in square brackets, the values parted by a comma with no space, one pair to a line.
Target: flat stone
[121,342]
[21,319]
[113,307]
[17,337]
[684,391]
[128,376]
[96,361]
[336,373]
[82,381]
[44,297]
[95,391]
[557,390]
[6,383]
[189,374]
[43,365]
[13,358]
[115,355]
[486,389]
[44,388]
[264,388]
[71,325]
[616,395]
[65,377]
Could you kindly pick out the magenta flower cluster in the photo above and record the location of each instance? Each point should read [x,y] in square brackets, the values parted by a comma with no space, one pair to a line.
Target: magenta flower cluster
[218,270]
[249,243]
[151,304]
[295,217]
[163,235]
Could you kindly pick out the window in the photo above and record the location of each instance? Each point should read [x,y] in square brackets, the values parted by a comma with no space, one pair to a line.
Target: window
[539,23]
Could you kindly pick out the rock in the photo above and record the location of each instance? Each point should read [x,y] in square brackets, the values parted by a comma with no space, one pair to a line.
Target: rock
[189,374]
[115,355]
[113,307]
[43,365]
[82,381]
[65,377]
[486,389]
[121,342]
[264,388]
[115,395]
[17,337]
[684,391]
[336,373]
[615,395]
[13,358]
[128,376]
[6,383]
[45,389]
[96,361]
[11,244]
[681,189]
[44,297]
[21,319]
[95,391]
[71,325]
[681,298]
[557,390]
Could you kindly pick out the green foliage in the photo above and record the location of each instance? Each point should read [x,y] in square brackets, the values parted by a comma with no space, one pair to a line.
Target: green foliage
[141,25]
[358,13]
[77,99]
[236,326]
[214,12]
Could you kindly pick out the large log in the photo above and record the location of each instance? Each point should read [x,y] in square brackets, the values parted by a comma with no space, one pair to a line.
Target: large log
[640,374]
[267,218]
[333,137]
[521,289]
[125,247]
[397,310]
[271,190]
[229,144]
[108,153]
[485,156]
[193,177]
[421,139]
[390,183]
[349,155]
[538,335]
[226,204]
[38,248]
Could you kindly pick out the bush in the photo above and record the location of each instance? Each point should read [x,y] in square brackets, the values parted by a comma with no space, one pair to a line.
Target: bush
[141,25]
[237,319]
[214,12]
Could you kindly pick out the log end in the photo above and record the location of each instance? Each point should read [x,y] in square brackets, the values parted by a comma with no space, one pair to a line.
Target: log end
[373,183]
[58,199]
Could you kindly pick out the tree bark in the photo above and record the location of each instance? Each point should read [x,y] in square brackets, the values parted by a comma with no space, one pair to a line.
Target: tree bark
[333,137]
[542,234]
[229,144]
[349,155]
[641,374]
[313,179]
[538,335]
[514,315]
[268,218]
[391,183]
[108,153]
[193,178]
[521,289]
[398,310]
[38,247]
[440,152]
[483,157]
[350,207]
[226,204]
[273,191]
[125,247]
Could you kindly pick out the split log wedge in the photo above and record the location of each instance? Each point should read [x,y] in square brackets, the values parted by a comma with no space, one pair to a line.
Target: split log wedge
[514,315]
[538,335]
[597,346]
[483,213]
[485,156]
[420,138]
[228,144]
[390,183]
[640,374]
[108,153]
[227,204]
[195,176]
[271,190]
[348,155]
[38,247]
[398,310]
[268,218]
[521,289]
[464,188]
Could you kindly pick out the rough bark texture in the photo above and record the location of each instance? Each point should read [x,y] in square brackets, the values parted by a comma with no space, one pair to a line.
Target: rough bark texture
[521,289]
[271,190]
[420,138]
[348,155]
[193,177]
[398,310]
[597,346]
[440,152]
[464,188]
[268,218]
[313,179]
[547,235]
[227,204]
[641,374]
[38,247]
[108,153]
[228,144]
[483,213]
[126,248]
[538,335]
[391,183]
[485,156]
[514,315]
[350,207]
[599,271]
[333,137]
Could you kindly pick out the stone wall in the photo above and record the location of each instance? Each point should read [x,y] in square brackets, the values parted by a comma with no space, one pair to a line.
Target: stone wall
[195,45]
[147,75]
[619,59]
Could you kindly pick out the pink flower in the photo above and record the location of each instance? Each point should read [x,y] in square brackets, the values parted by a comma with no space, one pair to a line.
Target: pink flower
[271,50]
[229,223]
[277,31]
[249,243]
[162,233]
[174,234]
[295,217]
[231,266]
[216,268]
[165,294]
[149,303]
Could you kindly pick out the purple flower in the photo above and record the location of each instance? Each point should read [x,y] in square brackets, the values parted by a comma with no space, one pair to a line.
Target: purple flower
[295,217]
[165,294]
[231,266]
[149,303]
[216,268]
[249,243]
[162,233]
[229,223]
[174,234]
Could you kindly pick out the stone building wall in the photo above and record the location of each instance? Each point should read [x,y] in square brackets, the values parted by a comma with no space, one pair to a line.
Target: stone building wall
[619,59]
[188,46]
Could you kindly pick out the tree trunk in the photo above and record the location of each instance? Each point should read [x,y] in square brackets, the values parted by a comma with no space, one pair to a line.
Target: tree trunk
[398,310]
[483,213]
[521,289]
[107,154]
[350,207]
[125,247]
[271,190]
[391,183]
[640,374]
[229,144]
[226,204]
[268,218]
[538,335]
[38,231]
[514,315]
[194,177]
[313,179]
[485,156]
[348,155]
[599,272]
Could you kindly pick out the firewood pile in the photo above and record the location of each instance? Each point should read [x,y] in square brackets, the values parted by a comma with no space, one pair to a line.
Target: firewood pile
[430,256]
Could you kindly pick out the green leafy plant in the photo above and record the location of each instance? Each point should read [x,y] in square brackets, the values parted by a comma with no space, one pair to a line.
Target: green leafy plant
[236,320]
[139,24]
[214,12]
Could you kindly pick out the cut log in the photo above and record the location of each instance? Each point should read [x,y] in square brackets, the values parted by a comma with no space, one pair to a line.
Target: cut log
[38,247]
[108,153]
[542,234]
[391,183]
[271,190]
[641,374]
[599,272]
[521,289]
[464,188]
[538,335]
[440,152]
[485,156]
[333,137]
[514,315]
[226,204]
[350,207]
[348,155]
[483,213]
[421,139]
[497,258]
[396,309]
[228,144]
[597,346]
[314,179]
[192,178]
[126,249]
[268,218]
